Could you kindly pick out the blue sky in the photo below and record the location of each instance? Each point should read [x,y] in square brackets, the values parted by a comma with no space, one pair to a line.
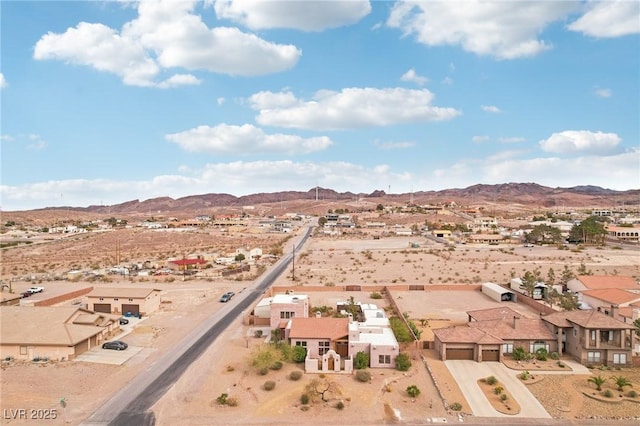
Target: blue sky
[105,102]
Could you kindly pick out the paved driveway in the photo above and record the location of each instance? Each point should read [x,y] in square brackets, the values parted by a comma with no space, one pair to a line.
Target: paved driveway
[467,374]
[108,356]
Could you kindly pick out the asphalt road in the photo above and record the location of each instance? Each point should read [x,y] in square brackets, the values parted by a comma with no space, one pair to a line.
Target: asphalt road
[130,406]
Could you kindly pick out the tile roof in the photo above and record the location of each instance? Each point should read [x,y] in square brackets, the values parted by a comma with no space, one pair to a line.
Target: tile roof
[586,319]
[125,292]
[608,281]
[524,329]
[615,296]
[44,325]
[319,328]
[502,312]
[465,334]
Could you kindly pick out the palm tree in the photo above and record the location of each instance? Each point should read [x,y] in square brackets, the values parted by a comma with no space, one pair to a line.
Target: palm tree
[598,381]
[621,382]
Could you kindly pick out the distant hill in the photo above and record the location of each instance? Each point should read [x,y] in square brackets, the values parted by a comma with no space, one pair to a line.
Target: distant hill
[525,194]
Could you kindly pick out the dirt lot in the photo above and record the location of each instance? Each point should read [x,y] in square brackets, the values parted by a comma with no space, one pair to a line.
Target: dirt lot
[326,262]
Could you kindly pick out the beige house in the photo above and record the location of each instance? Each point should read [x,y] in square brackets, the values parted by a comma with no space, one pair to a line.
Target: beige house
[592,337]
[283,307]
[137,301]
[57,333]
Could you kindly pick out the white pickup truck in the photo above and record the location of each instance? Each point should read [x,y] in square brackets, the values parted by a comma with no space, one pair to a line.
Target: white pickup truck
[34,290]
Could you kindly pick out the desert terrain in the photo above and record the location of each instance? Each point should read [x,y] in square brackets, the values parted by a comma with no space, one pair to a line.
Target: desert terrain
[328,263]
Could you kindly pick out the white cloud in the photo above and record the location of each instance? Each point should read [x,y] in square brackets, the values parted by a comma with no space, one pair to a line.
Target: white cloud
[503,29]
[309,15]
[6,138]
[618,172]
[245,140]
[480,139]
[413,77]
[3,81]
[491,108]
[447,81]
[238,178]
[580,141]
[220,101]
[165,35]
[611,18]
[511,139]
[603,93]
[351,108]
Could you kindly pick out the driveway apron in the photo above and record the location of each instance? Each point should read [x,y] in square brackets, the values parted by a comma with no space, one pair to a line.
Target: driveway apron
[467,373]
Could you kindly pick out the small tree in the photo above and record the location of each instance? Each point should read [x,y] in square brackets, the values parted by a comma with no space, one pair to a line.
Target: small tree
[298,353]
[519,354]
[598,381]
[361,360]
[403,363]
[413,391]
[621,382]
[239,257]
[541,354]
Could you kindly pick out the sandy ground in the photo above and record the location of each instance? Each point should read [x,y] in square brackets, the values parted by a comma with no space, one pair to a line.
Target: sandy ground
[326,261]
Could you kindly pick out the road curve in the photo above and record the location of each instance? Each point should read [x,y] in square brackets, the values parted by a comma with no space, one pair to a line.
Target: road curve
[130,405]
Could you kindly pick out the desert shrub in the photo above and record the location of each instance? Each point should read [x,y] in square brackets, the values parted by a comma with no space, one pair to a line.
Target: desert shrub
[632,394]
[340,405]
[541,354]
[375,295]
[413,391]
[258,333]
[363,376]
[361,360]
[400,330]
[608,393]
[525,375]
[222,399]
[519,354]
[491,380]
[456,406]
[298,354]
[230,368]
[498,390]
[269,385]
[232,402]
[276,365]
[554,356]
[263,371]
[295,375]
[403,363]
[503,397]
[304,398]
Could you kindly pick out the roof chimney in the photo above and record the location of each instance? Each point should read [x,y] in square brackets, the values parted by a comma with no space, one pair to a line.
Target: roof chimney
[516,320]
[614,311]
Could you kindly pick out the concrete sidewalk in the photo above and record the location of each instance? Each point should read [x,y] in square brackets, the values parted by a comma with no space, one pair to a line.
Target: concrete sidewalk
[467,373]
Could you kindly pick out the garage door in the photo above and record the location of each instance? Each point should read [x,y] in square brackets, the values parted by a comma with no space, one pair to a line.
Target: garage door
[102,307]
[460,353]
[134,309]
[491,355]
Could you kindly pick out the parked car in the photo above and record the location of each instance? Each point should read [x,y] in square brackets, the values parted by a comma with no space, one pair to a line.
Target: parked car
[34,290]
[227,296]
[124,321]
[115,345]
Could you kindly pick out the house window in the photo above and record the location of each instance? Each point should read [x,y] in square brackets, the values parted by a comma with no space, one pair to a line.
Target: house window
[575,332]
[323,347]
[301,343]
[507,348]
[384,359]
[23,350]
[620,359]
[287,315]
[593,356]
[593,335]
